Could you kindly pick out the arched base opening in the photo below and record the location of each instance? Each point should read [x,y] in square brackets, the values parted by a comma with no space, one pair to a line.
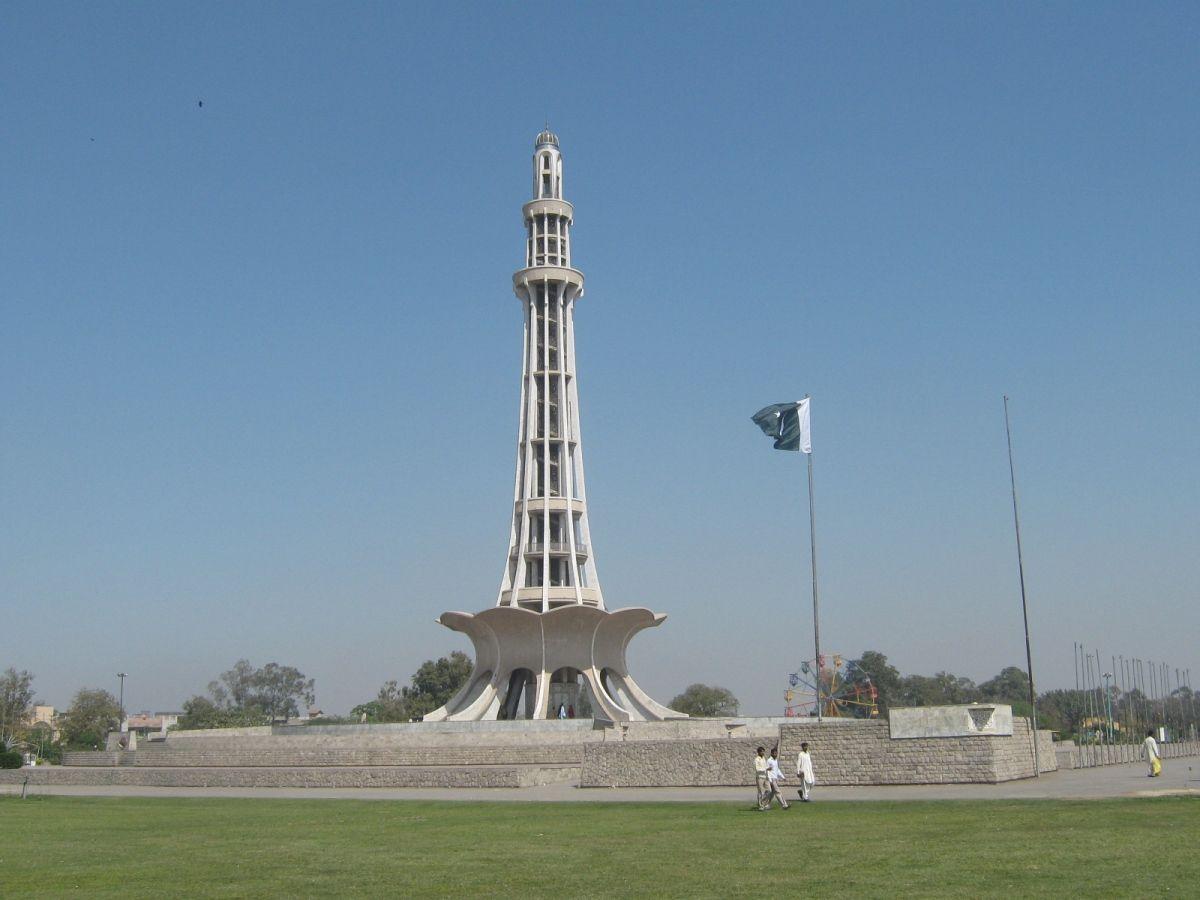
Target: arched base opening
[570,695]
[521,696]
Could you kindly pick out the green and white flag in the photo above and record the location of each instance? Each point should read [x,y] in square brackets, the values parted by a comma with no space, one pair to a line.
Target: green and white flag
[787,423]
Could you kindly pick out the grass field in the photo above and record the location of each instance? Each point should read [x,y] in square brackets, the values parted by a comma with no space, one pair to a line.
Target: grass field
[53,846]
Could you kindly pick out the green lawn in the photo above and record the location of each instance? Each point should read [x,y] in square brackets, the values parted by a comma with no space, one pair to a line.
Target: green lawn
[51,846]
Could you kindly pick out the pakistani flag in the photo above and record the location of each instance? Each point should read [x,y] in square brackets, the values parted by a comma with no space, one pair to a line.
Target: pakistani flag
[787,423]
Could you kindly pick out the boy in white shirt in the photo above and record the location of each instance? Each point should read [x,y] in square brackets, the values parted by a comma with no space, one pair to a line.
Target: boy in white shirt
[774,777]
[760,775]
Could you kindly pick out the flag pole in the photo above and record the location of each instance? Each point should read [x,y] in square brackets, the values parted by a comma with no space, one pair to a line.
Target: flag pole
[1037,768]
[812,539]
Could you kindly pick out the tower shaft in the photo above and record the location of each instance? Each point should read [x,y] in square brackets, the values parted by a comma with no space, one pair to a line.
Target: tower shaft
[550,563]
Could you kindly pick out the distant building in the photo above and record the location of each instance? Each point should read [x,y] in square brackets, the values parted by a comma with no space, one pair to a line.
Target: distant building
[46,716]
[146,723]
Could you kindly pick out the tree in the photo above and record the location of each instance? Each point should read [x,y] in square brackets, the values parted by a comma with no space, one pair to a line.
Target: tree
[388,706]
[235,688]
[940,690]
[1010,686]
[16,699]
[433,684]
[245,695]
[706,701]
[277,690]
[1064,710]
[93,713]
[873,668]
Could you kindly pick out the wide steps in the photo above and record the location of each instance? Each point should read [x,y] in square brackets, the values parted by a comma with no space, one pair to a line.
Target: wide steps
[298,777]
[239,757]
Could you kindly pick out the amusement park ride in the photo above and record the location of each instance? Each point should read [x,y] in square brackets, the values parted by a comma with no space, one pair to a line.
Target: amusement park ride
[844,691]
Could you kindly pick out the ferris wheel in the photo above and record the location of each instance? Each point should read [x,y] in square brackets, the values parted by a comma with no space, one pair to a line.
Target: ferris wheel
[844,692]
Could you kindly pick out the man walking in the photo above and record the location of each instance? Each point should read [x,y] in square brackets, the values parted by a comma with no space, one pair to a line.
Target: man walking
[804,771]
[1150,751]
[760,776]
[774,777]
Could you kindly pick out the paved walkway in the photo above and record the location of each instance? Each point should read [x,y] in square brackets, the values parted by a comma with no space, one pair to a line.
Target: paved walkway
[1180,776]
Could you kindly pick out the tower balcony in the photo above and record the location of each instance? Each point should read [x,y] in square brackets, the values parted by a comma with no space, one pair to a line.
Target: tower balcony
[555,548]
[523,279]
[555,437]
[557,596]
[548,206]
[554,504]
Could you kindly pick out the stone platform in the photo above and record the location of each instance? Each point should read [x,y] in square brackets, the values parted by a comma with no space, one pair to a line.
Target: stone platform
[688,752]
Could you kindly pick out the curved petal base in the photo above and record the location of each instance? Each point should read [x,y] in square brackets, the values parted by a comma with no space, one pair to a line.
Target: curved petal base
[518,650]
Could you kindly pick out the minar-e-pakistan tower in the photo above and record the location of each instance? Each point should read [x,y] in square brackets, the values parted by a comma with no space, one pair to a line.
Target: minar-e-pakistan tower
[549,641]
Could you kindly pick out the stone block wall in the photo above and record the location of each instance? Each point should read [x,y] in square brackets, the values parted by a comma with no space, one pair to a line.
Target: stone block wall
[844,753]
[315,754]
[322,777]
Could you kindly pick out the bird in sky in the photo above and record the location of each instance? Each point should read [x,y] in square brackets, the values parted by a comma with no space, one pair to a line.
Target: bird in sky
[200,103]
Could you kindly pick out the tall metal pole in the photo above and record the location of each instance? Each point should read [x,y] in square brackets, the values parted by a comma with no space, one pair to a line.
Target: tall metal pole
[1191,711]
[1037,768]
[1111,726]
[1119,667]
[812,538]
[1192,697]
[1147,712]
[1091,708]
[1103,704]
[121,702]
[1153,691]
[1108,704]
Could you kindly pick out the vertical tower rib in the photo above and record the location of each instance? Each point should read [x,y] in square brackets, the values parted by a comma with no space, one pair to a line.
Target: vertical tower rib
[550,561]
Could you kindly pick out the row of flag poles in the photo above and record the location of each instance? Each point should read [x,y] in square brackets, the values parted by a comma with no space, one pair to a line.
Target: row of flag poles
[789,425]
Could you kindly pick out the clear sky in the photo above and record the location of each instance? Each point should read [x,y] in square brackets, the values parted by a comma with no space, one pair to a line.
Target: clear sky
[259,359]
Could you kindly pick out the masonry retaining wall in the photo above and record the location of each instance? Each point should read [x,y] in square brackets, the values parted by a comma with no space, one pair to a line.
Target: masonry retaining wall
[304,777]
[859,752]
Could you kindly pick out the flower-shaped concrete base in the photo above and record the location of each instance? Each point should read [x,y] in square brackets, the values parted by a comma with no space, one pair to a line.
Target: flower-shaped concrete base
[518,650]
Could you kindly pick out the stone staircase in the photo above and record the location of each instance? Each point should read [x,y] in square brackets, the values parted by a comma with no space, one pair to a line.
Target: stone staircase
[238,756]
[298,776]
[395,758]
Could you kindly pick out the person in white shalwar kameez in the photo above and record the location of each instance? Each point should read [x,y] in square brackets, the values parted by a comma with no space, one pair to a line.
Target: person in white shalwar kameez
[1150,751]
[804,771]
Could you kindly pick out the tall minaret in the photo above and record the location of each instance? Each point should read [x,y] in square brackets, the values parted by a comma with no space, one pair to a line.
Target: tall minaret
[549,555]
[549,643]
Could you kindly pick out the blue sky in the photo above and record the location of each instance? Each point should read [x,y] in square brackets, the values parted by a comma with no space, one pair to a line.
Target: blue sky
[259,359]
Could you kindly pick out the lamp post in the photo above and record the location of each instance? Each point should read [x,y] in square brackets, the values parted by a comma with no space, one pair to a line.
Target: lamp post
[121,702]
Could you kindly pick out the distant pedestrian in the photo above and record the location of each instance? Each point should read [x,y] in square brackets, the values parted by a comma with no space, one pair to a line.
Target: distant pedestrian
[760,776]
[804,771]
[571,711]
[1150,751]
[562,710]
[774,778]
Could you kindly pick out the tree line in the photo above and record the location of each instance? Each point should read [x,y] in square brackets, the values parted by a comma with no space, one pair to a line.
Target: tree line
[84,725]
[249,695]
